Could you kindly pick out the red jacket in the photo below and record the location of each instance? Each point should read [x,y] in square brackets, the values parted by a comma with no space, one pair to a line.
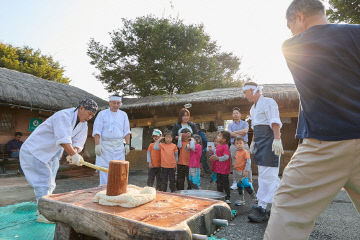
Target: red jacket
[222,167]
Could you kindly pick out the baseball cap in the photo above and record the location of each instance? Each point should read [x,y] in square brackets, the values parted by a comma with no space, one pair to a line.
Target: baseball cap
[156,132]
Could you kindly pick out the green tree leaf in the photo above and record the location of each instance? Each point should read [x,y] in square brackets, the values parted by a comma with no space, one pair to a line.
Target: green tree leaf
[155,56]
[28,60]
[347,11]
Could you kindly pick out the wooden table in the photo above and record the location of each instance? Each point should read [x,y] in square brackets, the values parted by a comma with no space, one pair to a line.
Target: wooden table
[169,216]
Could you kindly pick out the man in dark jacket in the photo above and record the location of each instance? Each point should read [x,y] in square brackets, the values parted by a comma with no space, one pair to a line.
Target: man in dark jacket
[13,146]
[324,60]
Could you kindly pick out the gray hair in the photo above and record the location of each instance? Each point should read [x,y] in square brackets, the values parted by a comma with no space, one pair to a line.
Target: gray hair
[307,7]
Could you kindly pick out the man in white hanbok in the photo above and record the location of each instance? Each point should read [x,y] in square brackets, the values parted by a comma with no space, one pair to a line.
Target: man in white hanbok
[42,150]
[111,128]
[266,147]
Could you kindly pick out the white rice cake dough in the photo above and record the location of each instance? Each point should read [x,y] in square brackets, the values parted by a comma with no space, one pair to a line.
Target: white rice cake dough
[135,196]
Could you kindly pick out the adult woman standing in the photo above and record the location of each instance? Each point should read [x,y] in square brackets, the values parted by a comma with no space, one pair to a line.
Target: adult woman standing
[238,128]
[183,122]
[183,125]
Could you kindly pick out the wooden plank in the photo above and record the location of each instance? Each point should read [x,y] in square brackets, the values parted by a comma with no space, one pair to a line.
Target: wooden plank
[65,232]
[169,216]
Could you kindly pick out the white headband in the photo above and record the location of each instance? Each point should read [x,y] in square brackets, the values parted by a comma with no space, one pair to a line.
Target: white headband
[115,98]
[255,88]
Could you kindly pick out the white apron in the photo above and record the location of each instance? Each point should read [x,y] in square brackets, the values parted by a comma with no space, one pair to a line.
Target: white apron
[112,149]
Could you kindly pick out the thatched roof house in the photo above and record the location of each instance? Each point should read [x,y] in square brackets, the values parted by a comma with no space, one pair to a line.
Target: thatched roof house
[26,100]
[206,105]
[277,91]
[211,107]
[24,90]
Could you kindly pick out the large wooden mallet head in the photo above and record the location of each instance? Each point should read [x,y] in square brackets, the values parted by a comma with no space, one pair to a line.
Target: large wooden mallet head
[117,177]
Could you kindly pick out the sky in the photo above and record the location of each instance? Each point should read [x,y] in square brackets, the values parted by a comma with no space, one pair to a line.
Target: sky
[253,30]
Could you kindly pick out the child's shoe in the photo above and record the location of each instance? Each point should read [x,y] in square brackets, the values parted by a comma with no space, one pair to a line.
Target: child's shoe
[228,201]
[234,186]
[240,202]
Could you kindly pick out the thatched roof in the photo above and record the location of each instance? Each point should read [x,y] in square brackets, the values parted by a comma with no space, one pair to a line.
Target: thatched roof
[280,92]
[27,91]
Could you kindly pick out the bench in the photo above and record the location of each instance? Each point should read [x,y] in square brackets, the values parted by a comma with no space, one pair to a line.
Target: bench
[6,159]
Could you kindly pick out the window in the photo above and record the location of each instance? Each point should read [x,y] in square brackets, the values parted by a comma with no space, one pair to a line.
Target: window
[6,121]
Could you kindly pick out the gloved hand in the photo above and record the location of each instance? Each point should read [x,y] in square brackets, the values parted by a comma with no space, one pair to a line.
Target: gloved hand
[76,159]
[127,149]
[277,147]
[252,145]
[98,150]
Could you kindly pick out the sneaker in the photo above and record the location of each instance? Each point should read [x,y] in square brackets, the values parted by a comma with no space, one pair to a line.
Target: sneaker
[240,202]
[234,186]
[43,219]
[258,215]
[228,201]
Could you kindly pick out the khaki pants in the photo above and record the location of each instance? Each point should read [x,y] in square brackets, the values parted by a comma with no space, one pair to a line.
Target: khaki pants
[316,173]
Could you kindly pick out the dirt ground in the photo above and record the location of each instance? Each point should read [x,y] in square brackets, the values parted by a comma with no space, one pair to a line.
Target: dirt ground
[339,221]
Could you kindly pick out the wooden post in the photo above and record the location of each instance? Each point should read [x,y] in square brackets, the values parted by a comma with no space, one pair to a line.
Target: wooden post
[219,118]
[154,121]
[117,177]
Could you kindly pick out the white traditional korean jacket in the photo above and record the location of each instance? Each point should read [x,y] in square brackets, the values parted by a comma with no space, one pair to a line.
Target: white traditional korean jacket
[112,127]
[44,142]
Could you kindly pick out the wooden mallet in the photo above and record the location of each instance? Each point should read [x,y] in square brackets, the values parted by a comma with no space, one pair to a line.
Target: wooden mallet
[118,174]
[117,177]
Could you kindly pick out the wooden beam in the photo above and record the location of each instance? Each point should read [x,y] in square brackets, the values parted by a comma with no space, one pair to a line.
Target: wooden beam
[289,114]
[165,121]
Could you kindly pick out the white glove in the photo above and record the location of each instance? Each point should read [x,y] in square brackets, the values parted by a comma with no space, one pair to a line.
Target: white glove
[277,147]
[98,150]
[252,145]
[127,149]
[77,159]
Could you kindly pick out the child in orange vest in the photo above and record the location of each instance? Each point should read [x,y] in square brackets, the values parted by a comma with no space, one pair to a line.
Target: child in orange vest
[154,160]
[242,167]
[184,157]
[169,158]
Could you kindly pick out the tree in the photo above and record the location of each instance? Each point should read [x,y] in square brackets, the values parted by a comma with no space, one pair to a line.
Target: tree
[344,11]
[155,56]
[28,60]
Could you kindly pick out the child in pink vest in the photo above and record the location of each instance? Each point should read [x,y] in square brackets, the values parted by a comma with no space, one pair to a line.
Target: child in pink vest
[222,164]
[194,162]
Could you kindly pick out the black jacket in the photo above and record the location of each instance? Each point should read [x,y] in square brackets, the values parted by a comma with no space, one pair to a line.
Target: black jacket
[177,126]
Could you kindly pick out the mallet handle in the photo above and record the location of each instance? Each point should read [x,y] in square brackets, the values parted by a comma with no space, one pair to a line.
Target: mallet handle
[94,166]
[90,165]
